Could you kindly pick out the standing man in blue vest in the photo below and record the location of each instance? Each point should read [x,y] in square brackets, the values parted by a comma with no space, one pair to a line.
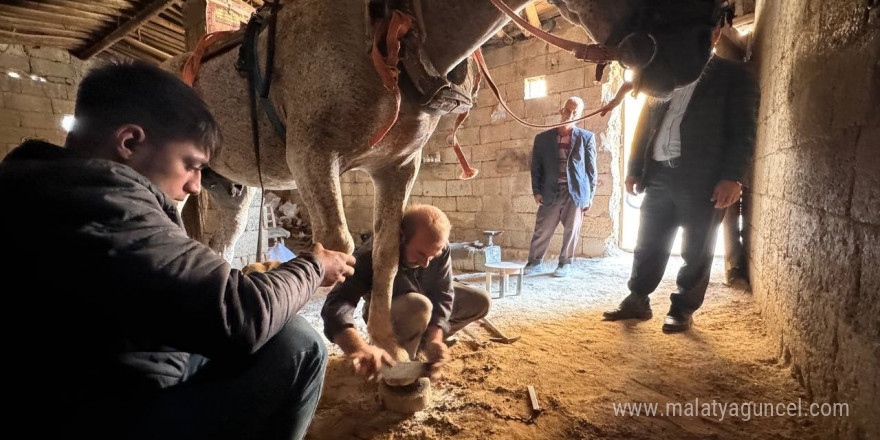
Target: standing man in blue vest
[563,183]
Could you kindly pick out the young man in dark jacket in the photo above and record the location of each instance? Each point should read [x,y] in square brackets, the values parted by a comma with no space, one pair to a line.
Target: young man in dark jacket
[128,328]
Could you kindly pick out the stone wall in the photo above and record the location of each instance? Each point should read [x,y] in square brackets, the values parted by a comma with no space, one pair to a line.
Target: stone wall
[33,104]
[500,197]
[814,240]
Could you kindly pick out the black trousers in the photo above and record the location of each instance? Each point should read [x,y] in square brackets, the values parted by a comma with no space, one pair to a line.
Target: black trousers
[271,395]
[672,201]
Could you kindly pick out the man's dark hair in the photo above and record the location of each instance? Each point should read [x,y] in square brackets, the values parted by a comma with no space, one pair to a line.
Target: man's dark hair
[142,94]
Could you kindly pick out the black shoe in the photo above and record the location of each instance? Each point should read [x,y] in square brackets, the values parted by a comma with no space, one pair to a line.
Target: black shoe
[632,307]
[677,322]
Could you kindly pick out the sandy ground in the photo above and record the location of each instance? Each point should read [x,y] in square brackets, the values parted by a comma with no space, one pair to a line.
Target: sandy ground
[581,366]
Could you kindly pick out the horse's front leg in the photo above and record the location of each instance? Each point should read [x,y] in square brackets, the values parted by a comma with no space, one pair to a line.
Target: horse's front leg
[392,185]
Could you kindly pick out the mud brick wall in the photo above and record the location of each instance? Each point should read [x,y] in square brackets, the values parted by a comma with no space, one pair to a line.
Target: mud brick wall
[814,241]
[500,197]
[34,107]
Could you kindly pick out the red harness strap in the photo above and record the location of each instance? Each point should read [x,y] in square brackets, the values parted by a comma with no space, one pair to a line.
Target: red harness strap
[596,53]
[392,31]
[194,62]
[467,172]
[621,93]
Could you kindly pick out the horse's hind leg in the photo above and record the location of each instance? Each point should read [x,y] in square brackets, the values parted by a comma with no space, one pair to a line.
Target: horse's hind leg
[317,178]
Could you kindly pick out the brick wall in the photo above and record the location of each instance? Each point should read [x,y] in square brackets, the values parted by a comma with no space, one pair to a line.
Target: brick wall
[814,241]
[500,197]
[34,107]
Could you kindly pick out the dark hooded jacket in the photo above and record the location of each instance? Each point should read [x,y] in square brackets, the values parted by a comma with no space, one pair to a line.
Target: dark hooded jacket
[113,297]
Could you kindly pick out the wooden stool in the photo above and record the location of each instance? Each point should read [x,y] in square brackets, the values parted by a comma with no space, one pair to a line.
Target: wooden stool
[505,269]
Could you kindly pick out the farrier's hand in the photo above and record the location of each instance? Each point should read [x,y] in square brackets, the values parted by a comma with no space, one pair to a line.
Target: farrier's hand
[367,360]
[539,199]
[337,265]
[436,350]
[726,193]
[633,185]
[437,353]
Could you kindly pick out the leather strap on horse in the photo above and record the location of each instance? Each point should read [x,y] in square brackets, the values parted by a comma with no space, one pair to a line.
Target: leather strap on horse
[258,89]
[194,62]
[392,31]
[249,66]
[478,56]
[596,53]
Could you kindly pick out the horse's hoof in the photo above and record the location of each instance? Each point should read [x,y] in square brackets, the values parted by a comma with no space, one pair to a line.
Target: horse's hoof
[406,399]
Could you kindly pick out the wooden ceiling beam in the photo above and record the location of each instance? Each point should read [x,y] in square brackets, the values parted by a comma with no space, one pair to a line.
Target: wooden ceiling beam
[160,31]
[161,42]
[35,14]
[39,40]
[167,24]
[194,22]
[144,47]
[151,10]
[37,31]
[133,53]
[96,7]
[532,15]
[26,24]
[66,11]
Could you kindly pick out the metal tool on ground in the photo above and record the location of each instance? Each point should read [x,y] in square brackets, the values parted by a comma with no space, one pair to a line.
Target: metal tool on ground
[499,335]
[473,336]
[406,370]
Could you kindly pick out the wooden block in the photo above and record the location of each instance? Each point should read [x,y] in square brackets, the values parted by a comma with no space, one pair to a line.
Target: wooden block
[534,400]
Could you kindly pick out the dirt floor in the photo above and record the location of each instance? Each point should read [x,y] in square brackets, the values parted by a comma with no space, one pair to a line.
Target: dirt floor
[581,366]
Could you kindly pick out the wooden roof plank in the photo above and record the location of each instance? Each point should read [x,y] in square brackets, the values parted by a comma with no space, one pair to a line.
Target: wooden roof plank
[167,24]
[95,6]
[67,11]
[132,53]
[20,28]
[144,47]
[39,40]
[532,15]
[168,33]
[18,11]
[25,23]
[151,10]
[171,46]
[136,53]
